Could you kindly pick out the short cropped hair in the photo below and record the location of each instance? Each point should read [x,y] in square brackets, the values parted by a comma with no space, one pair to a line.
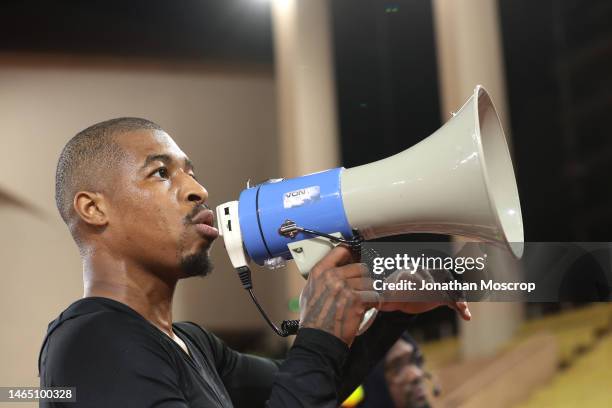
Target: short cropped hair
[87,155]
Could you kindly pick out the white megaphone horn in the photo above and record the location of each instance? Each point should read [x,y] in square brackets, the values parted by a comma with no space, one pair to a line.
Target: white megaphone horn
[459,181]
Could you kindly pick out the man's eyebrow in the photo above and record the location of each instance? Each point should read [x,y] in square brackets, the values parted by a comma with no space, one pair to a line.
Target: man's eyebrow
[164,158]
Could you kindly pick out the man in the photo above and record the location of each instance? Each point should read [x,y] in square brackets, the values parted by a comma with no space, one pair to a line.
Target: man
[135,209]
[398,380]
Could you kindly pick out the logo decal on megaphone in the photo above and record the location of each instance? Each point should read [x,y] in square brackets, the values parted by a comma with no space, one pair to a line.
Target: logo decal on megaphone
[301,196]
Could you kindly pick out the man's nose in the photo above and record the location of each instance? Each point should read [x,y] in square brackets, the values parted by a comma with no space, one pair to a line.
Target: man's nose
[418,372]
[193,191]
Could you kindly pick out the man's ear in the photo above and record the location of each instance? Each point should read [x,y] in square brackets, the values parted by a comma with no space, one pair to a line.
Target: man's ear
[91,208]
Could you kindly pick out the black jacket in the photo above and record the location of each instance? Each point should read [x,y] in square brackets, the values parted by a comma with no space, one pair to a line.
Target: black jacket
[116,358]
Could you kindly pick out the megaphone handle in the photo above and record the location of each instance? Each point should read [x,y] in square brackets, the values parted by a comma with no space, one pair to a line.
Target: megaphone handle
[308,252]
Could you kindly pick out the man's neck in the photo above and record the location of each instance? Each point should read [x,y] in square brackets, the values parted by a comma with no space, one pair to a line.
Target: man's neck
[142,290]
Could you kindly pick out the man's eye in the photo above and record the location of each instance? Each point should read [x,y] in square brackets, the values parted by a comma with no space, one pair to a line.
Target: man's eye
[162,172]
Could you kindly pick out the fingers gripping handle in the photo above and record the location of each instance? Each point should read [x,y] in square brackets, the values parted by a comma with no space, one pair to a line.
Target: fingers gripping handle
[308,252]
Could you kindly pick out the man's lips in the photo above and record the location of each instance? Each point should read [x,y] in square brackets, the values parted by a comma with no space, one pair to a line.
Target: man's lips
[203,222]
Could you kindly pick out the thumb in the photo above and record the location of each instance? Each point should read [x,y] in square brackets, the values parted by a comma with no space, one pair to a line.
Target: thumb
[461,308]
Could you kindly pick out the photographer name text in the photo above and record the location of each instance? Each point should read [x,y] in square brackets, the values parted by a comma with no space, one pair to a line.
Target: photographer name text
[408,285]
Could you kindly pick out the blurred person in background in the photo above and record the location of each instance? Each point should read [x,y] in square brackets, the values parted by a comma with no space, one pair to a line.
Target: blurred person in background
[397,381]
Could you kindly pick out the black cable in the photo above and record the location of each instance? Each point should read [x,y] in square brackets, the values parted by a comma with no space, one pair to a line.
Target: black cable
[288,327]
[352,243]
[290,229]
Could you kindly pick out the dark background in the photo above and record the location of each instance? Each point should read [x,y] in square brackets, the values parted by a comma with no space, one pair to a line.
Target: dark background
[186,30]
[558,64]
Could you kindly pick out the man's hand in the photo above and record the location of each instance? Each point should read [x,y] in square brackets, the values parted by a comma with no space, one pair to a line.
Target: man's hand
[337,294]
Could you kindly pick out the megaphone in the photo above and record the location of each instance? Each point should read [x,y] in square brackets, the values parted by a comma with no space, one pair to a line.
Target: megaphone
[458,181]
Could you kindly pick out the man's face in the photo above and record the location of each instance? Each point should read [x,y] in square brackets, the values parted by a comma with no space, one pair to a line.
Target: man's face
[157,215]
[404,377]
